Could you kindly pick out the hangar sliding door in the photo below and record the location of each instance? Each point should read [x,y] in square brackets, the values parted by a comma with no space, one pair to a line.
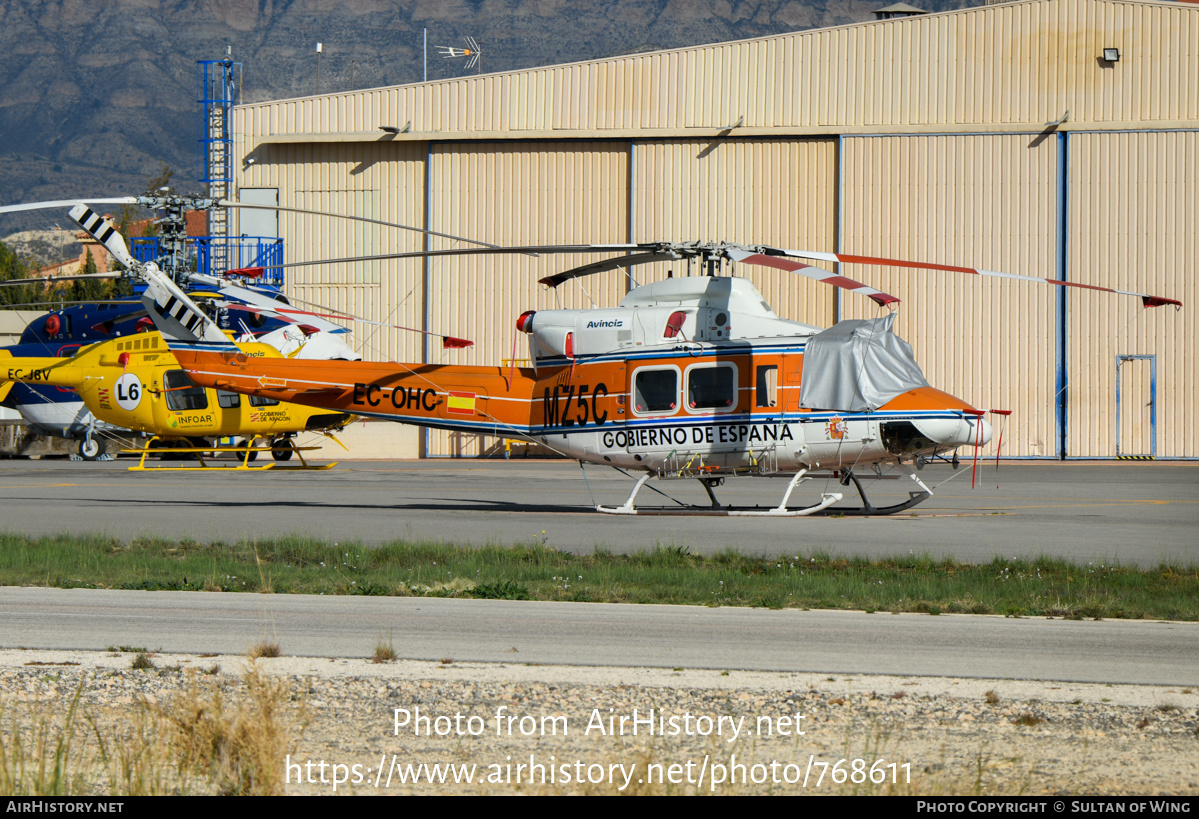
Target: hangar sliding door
[1133,212]
[987,201]
[516,193]
[382,181]
[780,192]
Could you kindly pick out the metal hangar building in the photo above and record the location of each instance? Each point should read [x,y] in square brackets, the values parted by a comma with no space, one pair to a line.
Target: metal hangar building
[1049,138]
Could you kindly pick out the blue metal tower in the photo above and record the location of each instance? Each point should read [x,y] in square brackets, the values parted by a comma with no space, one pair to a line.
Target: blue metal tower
[220,90]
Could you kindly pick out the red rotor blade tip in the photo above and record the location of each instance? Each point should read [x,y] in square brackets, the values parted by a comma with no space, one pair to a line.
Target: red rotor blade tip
[450,343]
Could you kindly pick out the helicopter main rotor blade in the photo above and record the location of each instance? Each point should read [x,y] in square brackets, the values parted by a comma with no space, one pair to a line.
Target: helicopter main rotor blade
[671,252]
[67,203]
[609,264]
[56,304]
[818,273]
[175,309]
[253,300]
[1146,300]
[236,295]
[56,279]
[469,251]
[104,233]
[284,312]
[202,204]
[227,203]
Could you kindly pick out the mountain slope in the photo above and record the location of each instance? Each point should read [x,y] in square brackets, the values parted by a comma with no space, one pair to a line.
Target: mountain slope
[96,96]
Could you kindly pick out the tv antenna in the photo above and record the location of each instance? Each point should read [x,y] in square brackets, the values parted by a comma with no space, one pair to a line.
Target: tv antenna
[472,52]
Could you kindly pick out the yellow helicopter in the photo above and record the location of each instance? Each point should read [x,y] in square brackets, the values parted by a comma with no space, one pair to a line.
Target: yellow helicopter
[136,383]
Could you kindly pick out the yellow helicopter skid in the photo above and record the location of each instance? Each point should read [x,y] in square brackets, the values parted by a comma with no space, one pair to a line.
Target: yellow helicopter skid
[243,464]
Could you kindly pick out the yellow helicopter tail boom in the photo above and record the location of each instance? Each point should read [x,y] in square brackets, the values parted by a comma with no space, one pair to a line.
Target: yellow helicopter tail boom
[58,372]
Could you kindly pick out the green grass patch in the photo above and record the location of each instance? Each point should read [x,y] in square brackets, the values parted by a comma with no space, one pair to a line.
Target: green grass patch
[1040,587]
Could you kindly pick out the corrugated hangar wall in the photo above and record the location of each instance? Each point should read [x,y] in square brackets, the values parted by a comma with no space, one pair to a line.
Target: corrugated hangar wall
[383,182]
[942,138]
[979,200]
[516,194]
[1133,223]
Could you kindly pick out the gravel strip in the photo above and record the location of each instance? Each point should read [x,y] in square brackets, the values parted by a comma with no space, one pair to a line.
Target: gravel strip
[697,730]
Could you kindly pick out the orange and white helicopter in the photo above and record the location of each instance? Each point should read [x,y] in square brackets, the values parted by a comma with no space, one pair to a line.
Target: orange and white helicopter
[693,377]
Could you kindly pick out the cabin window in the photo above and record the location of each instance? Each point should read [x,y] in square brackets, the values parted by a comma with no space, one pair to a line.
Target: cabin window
[712,388]
[766,388]
[182,393]
[259,401]
[656,390]
[227,400]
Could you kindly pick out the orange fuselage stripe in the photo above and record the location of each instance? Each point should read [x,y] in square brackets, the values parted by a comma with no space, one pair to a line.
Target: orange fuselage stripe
[586,393]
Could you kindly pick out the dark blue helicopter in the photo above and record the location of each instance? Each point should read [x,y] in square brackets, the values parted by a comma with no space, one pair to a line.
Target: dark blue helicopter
[56,410]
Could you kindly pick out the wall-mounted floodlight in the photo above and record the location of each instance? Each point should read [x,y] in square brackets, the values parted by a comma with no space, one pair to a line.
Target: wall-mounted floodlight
[318,67]
[391,129]
[1111,55]
[1059,122]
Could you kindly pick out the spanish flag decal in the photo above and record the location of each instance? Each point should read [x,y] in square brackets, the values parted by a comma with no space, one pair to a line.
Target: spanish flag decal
[461,403]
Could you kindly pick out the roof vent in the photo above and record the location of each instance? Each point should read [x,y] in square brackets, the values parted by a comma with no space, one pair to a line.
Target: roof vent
[898,10]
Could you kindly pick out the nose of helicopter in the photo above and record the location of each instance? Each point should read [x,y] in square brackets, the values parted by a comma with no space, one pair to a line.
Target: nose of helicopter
[935,422]
[967,429]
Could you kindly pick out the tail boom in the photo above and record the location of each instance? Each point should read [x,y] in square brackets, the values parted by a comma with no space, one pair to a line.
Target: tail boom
[57,372]
[476,399]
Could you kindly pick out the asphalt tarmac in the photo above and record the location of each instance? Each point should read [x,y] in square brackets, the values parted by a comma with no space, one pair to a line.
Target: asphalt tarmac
[601,634]
[1136,513]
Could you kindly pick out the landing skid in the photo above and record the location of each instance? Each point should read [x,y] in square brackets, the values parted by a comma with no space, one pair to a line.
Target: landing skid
[718,509]
[867,508]
[824,507]
[245,453]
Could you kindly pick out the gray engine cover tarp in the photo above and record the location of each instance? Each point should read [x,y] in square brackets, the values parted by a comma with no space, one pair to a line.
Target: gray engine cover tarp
[857,366]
